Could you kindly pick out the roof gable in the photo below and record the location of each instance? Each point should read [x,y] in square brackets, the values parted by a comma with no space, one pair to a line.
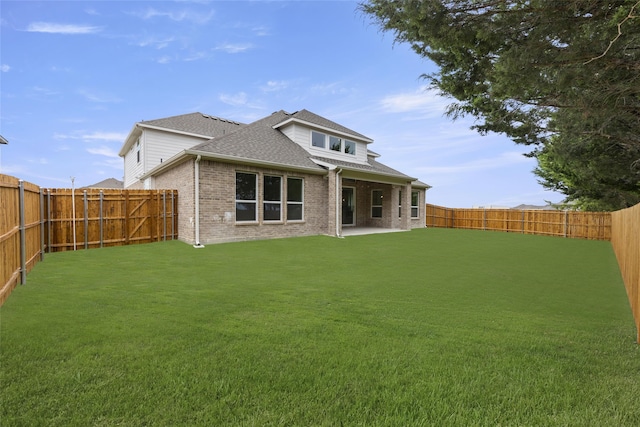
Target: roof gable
[313,120]
[195,123]
[259,141]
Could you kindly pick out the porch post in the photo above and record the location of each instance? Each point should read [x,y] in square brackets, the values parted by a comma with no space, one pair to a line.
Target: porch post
[405,221]
[334,220]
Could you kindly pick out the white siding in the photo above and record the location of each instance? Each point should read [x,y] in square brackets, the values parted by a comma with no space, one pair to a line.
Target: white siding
[301,135]
[163,145]
[132,168]
[155,146]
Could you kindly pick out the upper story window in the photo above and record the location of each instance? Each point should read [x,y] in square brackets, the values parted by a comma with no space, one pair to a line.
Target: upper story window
[138,151]
[349,147]
[318,139]
[333,143]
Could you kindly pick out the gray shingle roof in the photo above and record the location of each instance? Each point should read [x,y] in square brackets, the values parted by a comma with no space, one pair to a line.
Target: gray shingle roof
[372,166]
[196,123]
[107,183]
[259,141]
[313,118]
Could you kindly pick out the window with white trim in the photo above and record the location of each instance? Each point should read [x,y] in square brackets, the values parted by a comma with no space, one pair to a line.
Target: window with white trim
[415,200]
[318,139]
[295,199]
[272,198]
[349,147]
[376,204]
[138,150]
[246,197]
[400,204]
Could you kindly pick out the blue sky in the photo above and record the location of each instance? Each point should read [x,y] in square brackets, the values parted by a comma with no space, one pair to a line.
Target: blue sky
[77,75]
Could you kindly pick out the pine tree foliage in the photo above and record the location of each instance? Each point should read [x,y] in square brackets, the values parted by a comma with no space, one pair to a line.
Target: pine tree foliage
[560,76]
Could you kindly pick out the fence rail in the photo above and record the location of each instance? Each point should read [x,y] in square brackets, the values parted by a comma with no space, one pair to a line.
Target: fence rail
[35,220]
[625,240]
[577,225]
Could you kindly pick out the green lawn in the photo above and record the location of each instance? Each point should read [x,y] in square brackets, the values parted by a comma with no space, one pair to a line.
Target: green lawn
[431,327]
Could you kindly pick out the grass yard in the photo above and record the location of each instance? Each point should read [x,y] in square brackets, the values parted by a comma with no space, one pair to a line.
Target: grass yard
[431,327]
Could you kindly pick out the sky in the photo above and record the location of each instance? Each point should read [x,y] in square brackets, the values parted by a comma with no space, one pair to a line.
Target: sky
[75,76]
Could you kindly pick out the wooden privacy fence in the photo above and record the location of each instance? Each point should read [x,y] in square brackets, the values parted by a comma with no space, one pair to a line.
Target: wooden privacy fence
[625,239]
[577,225]
[35,220]
[20,232]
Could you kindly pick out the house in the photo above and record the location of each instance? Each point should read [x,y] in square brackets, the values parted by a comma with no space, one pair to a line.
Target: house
[287,174]
[107,183]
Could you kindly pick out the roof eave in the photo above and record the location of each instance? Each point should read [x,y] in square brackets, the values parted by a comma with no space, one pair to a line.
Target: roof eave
[324,128]
[133,135]
[180,157]
[377,176]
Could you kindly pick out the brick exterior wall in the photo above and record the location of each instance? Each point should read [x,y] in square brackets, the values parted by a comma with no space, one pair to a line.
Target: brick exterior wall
[217,205]
[181,178]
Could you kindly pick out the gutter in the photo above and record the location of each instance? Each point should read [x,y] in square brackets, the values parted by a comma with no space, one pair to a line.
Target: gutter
[338,204]
[197,201]
[185,154]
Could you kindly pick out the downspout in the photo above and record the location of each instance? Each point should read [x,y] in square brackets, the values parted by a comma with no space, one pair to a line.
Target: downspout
[197,201]
[338,202]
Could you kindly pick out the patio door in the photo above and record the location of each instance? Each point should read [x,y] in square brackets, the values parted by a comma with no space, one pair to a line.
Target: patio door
[348,206]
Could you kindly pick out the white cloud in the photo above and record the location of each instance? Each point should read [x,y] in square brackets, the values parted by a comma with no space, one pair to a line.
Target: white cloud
[39,161]
[235,100]
[502,160]
[424,101]
[234,47]
[44,91]
[178,16]
[98,97]
[334,88]
[103,151]
[53,28]
[261,31]
[155,42]
[105,136]
[115,163]
[94,136]
[5,68]
[275,85]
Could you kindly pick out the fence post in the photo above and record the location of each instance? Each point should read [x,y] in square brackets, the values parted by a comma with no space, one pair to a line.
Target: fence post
[566,223]
[49,232]
[523,221]
[484,219]
[173,220]
[86,220]
[23,237]
[41,224]
[126,218]
[164,215]
[101,232]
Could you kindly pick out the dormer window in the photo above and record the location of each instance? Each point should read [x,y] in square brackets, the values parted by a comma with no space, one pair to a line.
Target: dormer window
[335,143]
[319,140]
[349,147]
